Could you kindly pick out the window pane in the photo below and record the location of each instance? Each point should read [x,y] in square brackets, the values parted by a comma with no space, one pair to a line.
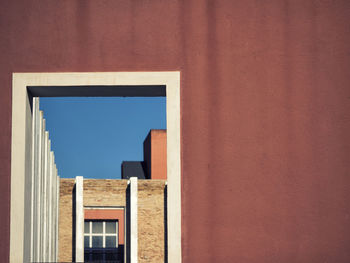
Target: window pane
[86,242]
[97,241]
[97,227]
[111,227]
[87,257]
[97,257]
[86,227]
[110,241]
[112,256]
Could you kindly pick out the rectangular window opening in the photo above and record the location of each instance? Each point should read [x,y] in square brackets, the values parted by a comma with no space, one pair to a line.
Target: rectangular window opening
[101,235]
[101,241]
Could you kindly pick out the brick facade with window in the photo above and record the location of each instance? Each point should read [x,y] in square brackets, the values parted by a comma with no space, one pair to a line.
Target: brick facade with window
[101,193]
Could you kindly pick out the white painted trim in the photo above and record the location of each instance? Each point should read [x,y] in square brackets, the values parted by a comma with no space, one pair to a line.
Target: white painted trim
[57,212]
[133,220]
[21,153]
[79,219]
[36,131]
[104,207]
[90,231]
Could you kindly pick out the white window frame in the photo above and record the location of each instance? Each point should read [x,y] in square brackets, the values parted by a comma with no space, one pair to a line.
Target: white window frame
[103,234]
[20,221]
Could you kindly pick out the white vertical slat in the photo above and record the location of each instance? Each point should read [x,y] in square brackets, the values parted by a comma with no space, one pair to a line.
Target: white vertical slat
[79,220]
[35,132]
[57,215]
[42,186]
[44,203]
[45,176]
[53,211]
[133,220]
[49,206]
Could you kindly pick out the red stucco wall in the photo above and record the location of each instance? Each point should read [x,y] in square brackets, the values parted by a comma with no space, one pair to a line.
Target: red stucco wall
[265,111]
[159,157]
[155,155]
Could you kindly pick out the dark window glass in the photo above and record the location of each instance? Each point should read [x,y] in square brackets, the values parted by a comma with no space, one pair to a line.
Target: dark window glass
[86,242]
[111,256]
[97,227]
[97,241]
[97,257]
[86,227]
[102,230]
[86,257]
[111,227]
[110,241]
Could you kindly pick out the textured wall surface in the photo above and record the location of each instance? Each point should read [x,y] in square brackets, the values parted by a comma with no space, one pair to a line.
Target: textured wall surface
[155,155]
[151,221]
[264,104]
[159,155]
[105,192]
[65,221]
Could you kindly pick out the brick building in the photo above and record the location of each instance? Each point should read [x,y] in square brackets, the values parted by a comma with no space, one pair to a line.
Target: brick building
[107,211]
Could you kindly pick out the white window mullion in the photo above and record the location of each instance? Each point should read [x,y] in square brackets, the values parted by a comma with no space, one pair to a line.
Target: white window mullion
[117,233]
[90,236]
[104,235]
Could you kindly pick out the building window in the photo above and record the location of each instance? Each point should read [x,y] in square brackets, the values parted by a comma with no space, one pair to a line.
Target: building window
[101,241]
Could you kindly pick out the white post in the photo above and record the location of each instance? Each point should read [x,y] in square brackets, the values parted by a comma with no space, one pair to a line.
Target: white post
[43,194]
[36,152]
[44,203]
[57,213]
[53,212]
[79,220]
[40,170]
[133,220]
[46,200]
[34,131]
[49,207]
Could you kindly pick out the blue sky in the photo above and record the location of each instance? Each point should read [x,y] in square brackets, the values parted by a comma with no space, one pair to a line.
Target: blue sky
[92,136]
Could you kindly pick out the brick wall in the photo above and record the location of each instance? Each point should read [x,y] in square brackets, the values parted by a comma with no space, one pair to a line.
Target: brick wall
[65,221]
[105,192]
[151,220]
